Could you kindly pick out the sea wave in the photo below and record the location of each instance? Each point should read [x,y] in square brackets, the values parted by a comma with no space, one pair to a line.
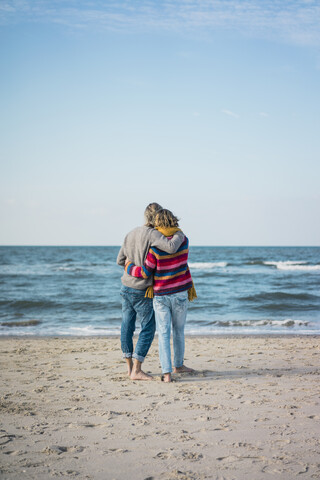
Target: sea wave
[293,265]
[207,265]
[270,296]
[287,262]
[265,326]
[70,269]
[73,305]
[281,301]
[215,325]
[29,304]
[288,322]
[26,323]
[85,268]
[90,330]
[254,262]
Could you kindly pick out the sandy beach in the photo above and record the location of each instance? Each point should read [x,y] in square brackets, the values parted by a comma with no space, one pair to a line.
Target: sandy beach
[251,411]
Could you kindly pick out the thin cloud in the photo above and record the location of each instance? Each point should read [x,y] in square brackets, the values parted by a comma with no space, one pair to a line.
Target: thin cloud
[295,21]
[230,113]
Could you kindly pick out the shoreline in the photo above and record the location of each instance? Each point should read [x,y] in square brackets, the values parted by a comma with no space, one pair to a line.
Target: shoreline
[209,335]
[250,410]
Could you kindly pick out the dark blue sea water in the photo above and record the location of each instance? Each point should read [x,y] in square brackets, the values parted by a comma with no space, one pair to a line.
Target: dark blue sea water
[75,290]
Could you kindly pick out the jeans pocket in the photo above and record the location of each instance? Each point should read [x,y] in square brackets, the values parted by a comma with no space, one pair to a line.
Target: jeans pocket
[181,301]
[160,304]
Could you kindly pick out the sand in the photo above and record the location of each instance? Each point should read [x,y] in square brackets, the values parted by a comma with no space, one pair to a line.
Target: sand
[251,411]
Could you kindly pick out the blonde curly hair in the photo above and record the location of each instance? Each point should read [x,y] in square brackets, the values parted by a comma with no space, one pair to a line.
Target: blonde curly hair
[166,219]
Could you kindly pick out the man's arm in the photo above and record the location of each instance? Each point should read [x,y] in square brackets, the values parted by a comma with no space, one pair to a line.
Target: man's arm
[146,270]
[167,245]
[121,258]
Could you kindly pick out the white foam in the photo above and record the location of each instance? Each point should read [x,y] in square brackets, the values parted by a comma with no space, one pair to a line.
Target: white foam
[89,330]
[253,327]
[287,262]
[207,265]
[305,268]
[293,265]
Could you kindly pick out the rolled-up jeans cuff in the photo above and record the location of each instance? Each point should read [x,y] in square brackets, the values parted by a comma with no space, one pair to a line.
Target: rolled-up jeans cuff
[126,355]
[138,357]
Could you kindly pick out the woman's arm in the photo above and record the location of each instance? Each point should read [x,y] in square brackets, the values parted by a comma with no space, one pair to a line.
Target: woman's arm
[168,245]
[146,270]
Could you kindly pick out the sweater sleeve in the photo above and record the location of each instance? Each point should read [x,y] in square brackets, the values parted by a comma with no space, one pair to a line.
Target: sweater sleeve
[121,259]
[146,270]
[168,245]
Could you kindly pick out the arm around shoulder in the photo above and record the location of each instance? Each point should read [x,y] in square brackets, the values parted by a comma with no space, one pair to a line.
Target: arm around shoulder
[167,245]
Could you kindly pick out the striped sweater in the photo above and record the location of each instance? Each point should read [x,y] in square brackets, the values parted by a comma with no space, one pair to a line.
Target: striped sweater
[170,272]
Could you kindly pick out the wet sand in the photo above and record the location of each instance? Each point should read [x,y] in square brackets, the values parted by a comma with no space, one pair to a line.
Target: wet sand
[251,411]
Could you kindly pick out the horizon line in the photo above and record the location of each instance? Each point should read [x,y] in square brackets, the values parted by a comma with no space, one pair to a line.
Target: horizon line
[193,245]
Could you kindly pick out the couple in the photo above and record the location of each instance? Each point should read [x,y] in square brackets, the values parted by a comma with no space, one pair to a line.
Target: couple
[156,286]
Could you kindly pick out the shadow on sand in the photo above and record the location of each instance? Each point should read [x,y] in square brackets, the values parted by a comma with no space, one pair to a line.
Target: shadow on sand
[243,372]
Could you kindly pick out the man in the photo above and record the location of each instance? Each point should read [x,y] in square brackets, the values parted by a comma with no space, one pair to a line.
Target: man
[135,248]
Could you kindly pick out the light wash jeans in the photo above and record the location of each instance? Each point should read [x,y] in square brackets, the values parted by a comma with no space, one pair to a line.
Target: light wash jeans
[171,309]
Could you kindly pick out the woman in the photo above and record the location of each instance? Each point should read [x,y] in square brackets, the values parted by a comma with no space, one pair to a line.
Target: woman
[172,287]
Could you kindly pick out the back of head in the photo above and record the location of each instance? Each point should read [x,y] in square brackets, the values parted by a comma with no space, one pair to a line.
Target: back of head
[166,219]
[150,213]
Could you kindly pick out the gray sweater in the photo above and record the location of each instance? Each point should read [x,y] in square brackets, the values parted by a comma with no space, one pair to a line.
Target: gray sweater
[135,248]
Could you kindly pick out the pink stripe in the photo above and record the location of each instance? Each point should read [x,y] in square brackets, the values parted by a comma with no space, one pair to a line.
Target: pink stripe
[136,271]
[171,266]
[149,263]
[184,274]
[159,285]
[172,260]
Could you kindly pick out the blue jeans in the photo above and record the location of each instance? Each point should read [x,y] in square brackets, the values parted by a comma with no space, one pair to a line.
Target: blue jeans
[171,309]
[135,303]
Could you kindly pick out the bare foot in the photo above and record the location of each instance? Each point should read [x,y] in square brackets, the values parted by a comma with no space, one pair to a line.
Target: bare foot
[129,365]
[166,378]
[183,369]
[140,375]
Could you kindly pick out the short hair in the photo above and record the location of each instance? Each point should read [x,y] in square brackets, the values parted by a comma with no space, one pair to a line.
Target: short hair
[166,219]
[150,213]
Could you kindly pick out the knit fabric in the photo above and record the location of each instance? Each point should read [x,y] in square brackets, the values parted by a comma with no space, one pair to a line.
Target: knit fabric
[136,246]
[171,272]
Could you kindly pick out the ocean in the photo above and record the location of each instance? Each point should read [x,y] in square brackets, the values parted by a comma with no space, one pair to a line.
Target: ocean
[241,290]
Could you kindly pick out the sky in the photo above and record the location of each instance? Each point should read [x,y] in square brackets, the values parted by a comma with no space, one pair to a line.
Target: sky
[208,107]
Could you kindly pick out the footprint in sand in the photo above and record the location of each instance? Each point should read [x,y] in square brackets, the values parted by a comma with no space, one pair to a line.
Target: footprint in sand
[13,453]
[194,457]
[180,475]
[6,438]
[115,450]
[58,449]
[163,455]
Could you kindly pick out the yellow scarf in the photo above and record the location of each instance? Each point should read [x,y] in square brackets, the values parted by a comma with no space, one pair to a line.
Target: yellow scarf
[168,232]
